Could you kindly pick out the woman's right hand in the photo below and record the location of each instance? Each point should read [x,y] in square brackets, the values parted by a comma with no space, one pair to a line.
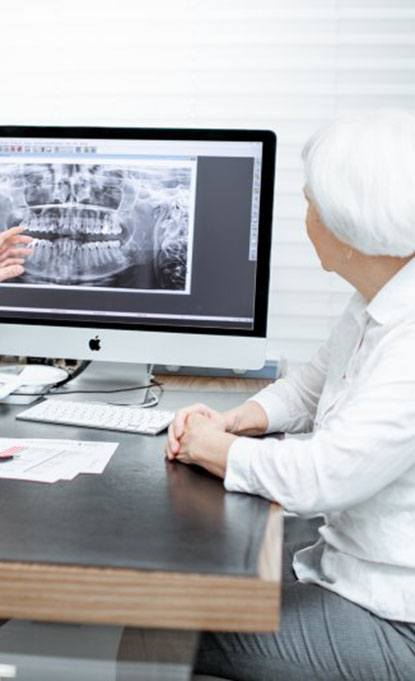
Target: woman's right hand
[178,425]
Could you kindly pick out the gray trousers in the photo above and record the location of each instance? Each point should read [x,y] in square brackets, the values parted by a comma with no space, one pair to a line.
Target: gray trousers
[322,636]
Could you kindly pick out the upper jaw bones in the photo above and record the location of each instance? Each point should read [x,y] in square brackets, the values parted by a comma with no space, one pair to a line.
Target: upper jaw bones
[80,224]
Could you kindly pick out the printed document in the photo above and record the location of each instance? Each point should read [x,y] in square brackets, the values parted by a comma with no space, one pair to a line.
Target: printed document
[44,460]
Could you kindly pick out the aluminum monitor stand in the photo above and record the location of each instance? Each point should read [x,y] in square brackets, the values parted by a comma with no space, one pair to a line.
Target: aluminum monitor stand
[102,377]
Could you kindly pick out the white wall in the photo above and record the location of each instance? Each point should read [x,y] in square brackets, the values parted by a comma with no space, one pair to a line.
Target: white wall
[289,65]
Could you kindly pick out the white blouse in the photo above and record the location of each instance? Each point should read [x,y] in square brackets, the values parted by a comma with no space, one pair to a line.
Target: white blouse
[358,467]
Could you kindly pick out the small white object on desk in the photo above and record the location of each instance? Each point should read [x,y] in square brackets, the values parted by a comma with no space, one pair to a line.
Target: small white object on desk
[17,383]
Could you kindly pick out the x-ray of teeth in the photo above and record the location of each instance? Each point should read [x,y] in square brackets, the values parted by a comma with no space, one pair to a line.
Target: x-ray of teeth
[102,225]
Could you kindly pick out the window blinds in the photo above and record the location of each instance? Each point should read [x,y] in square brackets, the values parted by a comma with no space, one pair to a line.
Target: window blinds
[288,65]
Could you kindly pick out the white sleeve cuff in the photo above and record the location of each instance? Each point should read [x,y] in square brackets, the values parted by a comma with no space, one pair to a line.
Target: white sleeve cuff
[238,476]
[275,408]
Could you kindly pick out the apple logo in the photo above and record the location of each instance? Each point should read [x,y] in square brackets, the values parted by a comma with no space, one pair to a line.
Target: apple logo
[95,343]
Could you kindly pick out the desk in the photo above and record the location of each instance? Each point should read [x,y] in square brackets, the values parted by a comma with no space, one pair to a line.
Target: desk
[148,544]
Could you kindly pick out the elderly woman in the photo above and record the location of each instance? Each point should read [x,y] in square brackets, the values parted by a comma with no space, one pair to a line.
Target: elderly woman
[348,601]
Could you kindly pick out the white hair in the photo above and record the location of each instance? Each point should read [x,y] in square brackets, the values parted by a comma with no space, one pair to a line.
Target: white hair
[360,175]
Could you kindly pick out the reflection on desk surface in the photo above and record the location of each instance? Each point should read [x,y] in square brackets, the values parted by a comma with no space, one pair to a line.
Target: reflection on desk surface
[38,651]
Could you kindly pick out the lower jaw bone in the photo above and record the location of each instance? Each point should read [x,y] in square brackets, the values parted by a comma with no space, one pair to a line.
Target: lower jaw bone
[66,261]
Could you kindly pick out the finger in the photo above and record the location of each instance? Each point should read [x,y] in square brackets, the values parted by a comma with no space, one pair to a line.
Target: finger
[14,241]
[12,231]
[183,415]
[15,252]
[28,242]
[172,442]
[201,408]
[169,455]
[183,458]
[10,271]
[22,239]
[181,418]
[11,261]
[177,428]
[197,418]
[179,424]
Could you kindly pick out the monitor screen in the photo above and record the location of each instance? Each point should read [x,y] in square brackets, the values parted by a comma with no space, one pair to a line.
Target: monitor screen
[139,229]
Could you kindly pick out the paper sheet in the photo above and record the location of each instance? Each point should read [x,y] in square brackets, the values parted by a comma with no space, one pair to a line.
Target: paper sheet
[44,460]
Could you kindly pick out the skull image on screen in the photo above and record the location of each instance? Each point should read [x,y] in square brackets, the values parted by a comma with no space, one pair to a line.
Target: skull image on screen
[101,225]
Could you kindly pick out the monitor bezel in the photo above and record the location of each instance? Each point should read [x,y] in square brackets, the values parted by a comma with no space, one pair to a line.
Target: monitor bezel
[268,138]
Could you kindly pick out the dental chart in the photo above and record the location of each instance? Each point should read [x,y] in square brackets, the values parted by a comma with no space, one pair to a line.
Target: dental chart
[44,460]
[104,224]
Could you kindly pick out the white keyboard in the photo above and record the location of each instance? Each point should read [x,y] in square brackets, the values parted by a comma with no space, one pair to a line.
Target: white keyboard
[98,415]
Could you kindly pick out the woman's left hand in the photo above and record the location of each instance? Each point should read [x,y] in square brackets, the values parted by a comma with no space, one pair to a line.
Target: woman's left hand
[204,444]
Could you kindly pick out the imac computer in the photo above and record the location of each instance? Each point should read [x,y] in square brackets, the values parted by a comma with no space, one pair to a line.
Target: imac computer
[150,245]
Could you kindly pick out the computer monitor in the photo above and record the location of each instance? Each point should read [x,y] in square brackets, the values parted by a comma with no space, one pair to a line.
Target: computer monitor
[151,245]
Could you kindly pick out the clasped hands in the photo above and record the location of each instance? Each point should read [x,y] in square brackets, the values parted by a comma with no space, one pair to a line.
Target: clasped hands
[199,435]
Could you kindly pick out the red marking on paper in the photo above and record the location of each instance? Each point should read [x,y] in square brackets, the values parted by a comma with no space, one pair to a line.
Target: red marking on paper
[11,451]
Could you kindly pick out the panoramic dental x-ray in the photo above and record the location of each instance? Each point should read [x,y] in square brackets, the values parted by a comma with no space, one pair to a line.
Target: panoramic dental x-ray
[102,224]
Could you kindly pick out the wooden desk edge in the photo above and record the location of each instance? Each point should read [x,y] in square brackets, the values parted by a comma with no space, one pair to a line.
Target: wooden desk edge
[148,599]
[270,555]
